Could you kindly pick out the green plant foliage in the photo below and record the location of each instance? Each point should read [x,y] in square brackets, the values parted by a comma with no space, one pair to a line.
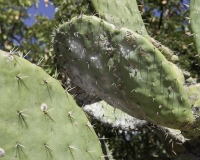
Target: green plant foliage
[142,144]
[166,21]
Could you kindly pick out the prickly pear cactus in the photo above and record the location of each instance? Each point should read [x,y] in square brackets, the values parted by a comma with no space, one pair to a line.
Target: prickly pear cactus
[195,22]
[126,14]
[179,73]
[169,55]
[38,120]
[124,69]
[193,92]
[121,14]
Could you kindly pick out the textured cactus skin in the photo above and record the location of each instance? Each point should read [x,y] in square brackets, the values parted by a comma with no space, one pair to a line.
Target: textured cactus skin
[121,14]
[193,92]
[124,69]
[179,73]
[126,14]
[195,22]
[169,55]
[25,128]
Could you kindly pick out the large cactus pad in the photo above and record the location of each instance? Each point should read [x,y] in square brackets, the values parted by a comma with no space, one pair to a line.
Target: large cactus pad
[124,69]
[195,22]
[38,120]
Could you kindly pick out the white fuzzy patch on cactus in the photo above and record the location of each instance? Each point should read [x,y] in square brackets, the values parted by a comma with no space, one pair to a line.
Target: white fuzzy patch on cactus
[2,152]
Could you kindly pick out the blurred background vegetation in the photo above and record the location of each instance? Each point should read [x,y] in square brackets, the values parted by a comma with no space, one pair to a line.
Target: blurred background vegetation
[165,20]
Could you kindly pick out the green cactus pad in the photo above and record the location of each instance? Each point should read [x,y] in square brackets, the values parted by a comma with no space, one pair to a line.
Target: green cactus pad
[179,73]
[121,14]
[124,69]
[195,22]
[125,13]
[38,120]
[193,92]
[169,55]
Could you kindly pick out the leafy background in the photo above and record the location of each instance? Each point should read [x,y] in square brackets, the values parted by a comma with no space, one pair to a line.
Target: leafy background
[29,32]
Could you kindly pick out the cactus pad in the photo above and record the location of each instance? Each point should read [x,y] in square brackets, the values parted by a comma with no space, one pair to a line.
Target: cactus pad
[121,14]
[38,120]
[195,22]
[124,69]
